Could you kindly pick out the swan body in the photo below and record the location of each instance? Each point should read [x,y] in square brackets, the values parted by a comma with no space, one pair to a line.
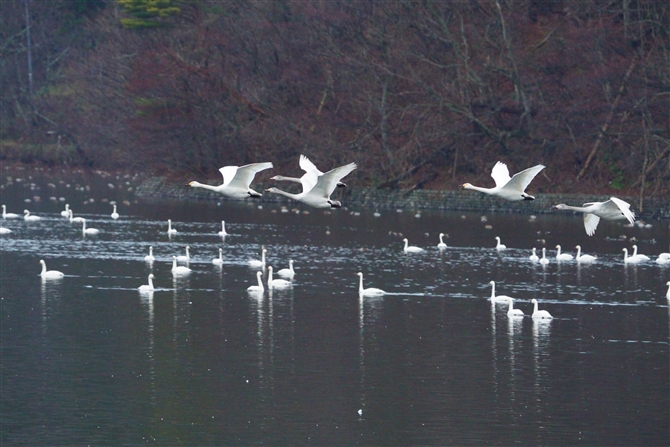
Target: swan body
[663,258]
[49,274]
[613,209]
[256,262]
[223,233]
[287,273]
[543,259]
[4,230]
[500,246]
[147,287]
[500,298]
[319,195]
[539,314]
[370,291]
[115,215]
[562,256]
[179,269]
[629,259]
[259,287]
[441,245]
[66,211]
[236,181]
[186,258]
[75,219]
[150,256]
[6,215]
[278,283]
[643,258]
[509,188]
[512,312]
[583,258]
[534,257]
[29,218]
[219,260]
[170,229]
[309,179]
[411,248]
[89,231]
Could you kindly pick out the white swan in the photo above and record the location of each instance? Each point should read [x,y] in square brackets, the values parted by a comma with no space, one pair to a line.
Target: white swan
[500,246]
[29,218]
[150,256]
[500,298]
[223,232]
[411,248]
[512,312]
[259,287]
[663,258]
[370,291]
[539,314]
[319,195]
[179,269]
[667,295]
[6,215]
[309,179]
[4,230]
[185,258]
[534,257]
[147,287]
[613,209]
[256,262]
[219,260]
[236,180]
[562,256]
[287,273]
[278,283]
[629,259]
[509,188]
[66,211]
[75,219]
[441,245]
[170,229]
[643,258]
[50,274]
[583,258]
[115,215]
[543,259]
[85,230]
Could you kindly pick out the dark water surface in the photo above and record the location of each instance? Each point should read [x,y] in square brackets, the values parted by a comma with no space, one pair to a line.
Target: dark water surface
[89,360]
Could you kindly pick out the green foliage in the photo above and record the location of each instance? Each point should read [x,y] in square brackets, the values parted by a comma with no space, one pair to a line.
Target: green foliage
[148,13]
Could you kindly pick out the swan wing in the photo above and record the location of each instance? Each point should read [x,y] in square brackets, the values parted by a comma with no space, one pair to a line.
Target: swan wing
[309,180]
[307,166]
[500,174]
[591,223]
[521,180]
[619,205]
[327,183]
[241,177]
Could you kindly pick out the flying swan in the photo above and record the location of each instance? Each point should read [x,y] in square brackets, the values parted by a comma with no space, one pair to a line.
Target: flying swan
[509,188]
[236,181]
[613,209]
[309,179]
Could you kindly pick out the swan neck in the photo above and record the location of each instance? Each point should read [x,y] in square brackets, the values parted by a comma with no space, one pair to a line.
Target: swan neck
[44,268]
[477,188]
[360,283]
[202,185]
[284,193]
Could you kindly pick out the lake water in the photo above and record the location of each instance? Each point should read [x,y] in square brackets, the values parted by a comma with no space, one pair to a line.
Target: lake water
[89,360]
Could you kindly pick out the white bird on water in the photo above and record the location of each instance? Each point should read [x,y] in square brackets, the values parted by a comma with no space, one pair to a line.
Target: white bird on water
[533,257]
[309,179]
[218,261]
[411,248]
[500,246]
[6,215]
[147,287]
[171,230]
[629,259]
[287,273]
[278,283]
[442,245]
[75,219]
[613,209]
[500,298]
[643,258]
[4,230]
[583,258]
[66,211]
[89,231]
[256,262]
[223,232]
[370,291]
[49,274]
[185,258]
[150,256]
[259,287]
[179,269]
[115,215]
[29,218]
[539,314]
[667,295]
[663,258]
[543,259]
[512,312]
[509,188]
[236,180]
[319,195]
[562,256]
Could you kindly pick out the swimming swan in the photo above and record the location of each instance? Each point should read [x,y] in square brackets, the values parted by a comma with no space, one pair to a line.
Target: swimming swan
[642,257]
[500,298]
[539,314]
[186,258]
[75,219]
[371,291]
[236,180]
[219,260]
[115,215]
[256,262]
[150,256]
[6,215]
[667,295]
[170,229]
[533,257]
[562,256]
[259,287]
[66,212]
[85,230]
[29,218]
[223,233]
[629,259]
[411,248]
[543,259]
[4,230]
[287,273]
[279,283]
[441,245]
[319,195]
[509,188]
[663,258]
[512,312]
[179,269]
[50,274]
[500,246]
[613,209]
[583,258]
[309,179]
[147,287]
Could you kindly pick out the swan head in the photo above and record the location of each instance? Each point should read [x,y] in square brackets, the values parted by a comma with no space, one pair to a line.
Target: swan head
[359,274]
[493,283]
[42,261]
[151,276]
[26,211]
[534,301]
[194,183]
[466,186]
[558,247]
[578,247]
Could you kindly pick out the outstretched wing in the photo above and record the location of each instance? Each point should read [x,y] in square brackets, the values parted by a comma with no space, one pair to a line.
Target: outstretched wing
[623,207]
[327,182]
[590,223]
[241,177]
[521,180]
[307,166]
[500,174]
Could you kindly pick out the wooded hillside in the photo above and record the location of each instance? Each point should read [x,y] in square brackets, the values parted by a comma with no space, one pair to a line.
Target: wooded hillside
[418,93]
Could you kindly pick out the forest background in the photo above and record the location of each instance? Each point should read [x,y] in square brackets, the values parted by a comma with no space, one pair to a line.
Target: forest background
[420,94]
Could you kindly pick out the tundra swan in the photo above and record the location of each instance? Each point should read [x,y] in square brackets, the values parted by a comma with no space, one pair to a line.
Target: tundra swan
[613,209]
[179,269]
[29,218]
[256,262]
[411,248]
[663,258]
[170,229]
[562,256]
[642,257]
[442,245]
[89,231]
[75,219]
[534,257]
[500,246]
[223,233]
[150,256]
[6,215]
[4,230]
[512,312]
[309,179]
[509,188]
[629,259]
[236,180]
[66,211]
[371,291]
[219,260]
[259,287]
[279,283]
[667,295]
[499,298]
[185,258]
[319,195]
[287,273]
[539,314]
[583,258]
[49,274]
[543,259]
[115,215]
[147,287]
